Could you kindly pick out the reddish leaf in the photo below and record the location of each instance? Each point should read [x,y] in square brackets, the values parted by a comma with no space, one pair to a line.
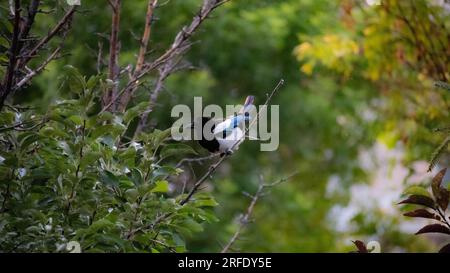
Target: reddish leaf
[361,246]
[434,228]
[437,181]
[442,198]
[419,200]
[445,249]
[423,213]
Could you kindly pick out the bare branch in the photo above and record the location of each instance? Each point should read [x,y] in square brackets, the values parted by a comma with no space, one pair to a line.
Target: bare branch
[125,98]
[114,49]
[63,22]
[196,159]
[146,36]
[99,57]
[33,73]
[245,219]
[174,50]
[164,72]
[11,8]
[29,20]
[5,88]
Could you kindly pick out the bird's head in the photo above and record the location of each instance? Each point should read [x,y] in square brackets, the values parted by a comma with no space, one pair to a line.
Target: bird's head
[245,110]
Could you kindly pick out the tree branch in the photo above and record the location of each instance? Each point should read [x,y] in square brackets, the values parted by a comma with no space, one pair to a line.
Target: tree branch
[125,98]
[114,49]
[164,72]
[245,219]
[29,20]
[39,69]
[5,88]
[196,159]
[178,44]
[64,21]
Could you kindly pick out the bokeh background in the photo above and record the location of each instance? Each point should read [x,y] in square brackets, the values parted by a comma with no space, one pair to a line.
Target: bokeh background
[357,111]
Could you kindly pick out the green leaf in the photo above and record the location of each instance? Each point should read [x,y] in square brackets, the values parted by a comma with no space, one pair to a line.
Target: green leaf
[155,138]
[107,129]
[132,194]
[136,176]
[78,120]
[108,178]
[75,81]
[177,149]
[205,203]
[27,139]
[126,183]
[135,111]
[89,159]
[6,118]
[165,171]
[192,225]
[93,81]
[417,190]
[10,159]
[161,186]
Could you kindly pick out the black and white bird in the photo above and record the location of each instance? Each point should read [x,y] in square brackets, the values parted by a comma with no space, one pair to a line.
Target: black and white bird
[223,136]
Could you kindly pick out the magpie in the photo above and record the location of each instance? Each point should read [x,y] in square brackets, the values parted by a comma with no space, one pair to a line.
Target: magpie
[223,136]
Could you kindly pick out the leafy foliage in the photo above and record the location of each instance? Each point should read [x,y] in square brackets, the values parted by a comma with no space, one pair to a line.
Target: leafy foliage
[66,176]
[438,205]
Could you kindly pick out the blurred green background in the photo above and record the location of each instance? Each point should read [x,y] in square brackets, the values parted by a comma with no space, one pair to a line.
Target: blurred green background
[356,112]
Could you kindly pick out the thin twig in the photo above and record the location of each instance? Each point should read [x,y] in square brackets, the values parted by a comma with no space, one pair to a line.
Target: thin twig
[29,20]
[196,159]
[113,54]
[64,21]
[27,78]
[99,57]
[125,98]
[245,219]
[164,72]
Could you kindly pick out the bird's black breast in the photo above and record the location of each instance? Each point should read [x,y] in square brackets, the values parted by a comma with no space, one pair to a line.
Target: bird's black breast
[210,145]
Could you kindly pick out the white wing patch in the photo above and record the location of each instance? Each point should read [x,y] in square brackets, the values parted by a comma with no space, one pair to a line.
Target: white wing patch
[237,135]
[219,128]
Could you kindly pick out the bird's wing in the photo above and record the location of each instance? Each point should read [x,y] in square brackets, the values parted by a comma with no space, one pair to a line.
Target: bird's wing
[223,126]
[228,124]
